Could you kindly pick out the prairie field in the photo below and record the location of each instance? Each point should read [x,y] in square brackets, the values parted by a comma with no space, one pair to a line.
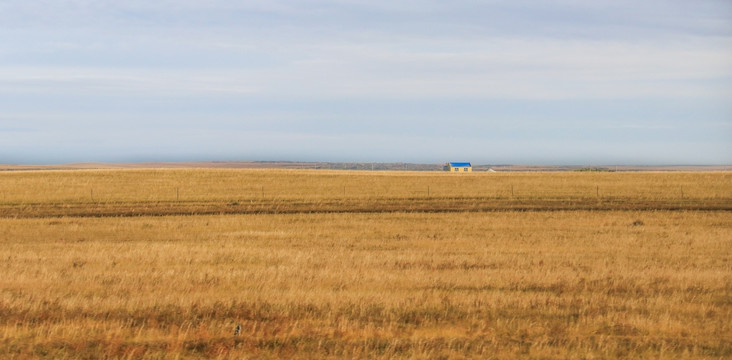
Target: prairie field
[164,264]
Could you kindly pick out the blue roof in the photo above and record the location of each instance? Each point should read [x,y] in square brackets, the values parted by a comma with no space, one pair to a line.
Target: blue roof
[460,164]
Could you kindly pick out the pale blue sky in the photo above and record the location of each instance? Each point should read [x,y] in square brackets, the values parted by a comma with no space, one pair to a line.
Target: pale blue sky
[492,82]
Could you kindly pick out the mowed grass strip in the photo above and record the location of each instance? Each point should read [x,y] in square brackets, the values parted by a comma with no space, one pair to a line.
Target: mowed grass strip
[433,205]
[562,285]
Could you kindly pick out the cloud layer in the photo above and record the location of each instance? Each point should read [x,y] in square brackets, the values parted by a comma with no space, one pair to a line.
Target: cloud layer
[509,81]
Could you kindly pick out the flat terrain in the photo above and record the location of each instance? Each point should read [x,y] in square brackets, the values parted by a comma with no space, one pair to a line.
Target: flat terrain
[228,191]
[349,166]
[333,264]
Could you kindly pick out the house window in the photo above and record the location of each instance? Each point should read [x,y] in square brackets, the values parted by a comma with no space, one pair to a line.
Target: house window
[466,169]
[457,169]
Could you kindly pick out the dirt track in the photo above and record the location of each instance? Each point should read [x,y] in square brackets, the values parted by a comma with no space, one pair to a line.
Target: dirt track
[384,205]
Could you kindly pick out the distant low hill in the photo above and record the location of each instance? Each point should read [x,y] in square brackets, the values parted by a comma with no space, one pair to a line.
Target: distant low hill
[353,166]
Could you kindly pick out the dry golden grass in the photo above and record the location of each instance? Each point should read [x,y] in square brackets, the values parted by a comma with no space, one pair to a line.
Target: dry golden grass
[199,192]
[84,186]
[466,284]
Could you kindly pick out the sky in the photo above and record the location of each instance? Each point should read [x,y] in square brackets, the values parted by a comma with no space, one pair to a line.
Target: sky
[565,82]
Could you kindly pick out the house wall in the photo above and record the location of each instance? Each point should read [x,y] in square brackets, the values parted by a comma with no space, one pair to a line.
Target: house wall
[459,169]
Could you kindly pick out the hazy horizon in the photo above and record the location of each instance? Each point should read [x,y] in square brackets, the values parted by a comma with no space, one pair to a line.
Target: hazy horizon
[492,82]
[232,164]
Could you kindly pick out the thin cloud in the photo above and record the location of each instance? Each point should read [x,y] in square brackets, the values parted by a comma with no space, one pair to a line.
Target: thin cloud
[313,78]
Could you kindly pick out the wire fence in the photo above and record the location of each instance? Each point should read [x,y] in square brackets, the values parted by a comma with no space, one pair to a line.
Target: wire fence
[333,192]
[311,185]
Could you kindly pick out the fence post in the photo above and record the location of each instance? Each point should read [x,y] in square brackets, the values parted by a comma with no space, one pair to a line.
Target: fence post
[511,190]
[682,192]
[91,194]
[428,190]
[177,198]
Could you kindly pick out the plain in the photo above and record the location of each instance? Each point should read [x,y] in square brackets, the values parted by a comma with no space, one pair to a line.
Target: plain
[369,265]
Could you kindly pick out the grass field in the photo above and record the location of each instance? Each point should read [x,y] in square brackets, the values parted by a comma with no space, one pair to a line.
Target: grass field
[319,264]
[201,192]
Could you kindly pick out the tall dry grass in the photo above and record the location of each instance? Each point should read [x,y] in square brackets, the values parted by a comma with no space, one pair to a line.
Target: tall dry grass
[476,285]
[384,284]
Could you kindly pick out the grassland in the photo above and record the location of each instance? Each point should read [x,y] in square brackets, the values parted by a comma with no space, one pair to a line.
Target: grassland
[317,264]
[200,192]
